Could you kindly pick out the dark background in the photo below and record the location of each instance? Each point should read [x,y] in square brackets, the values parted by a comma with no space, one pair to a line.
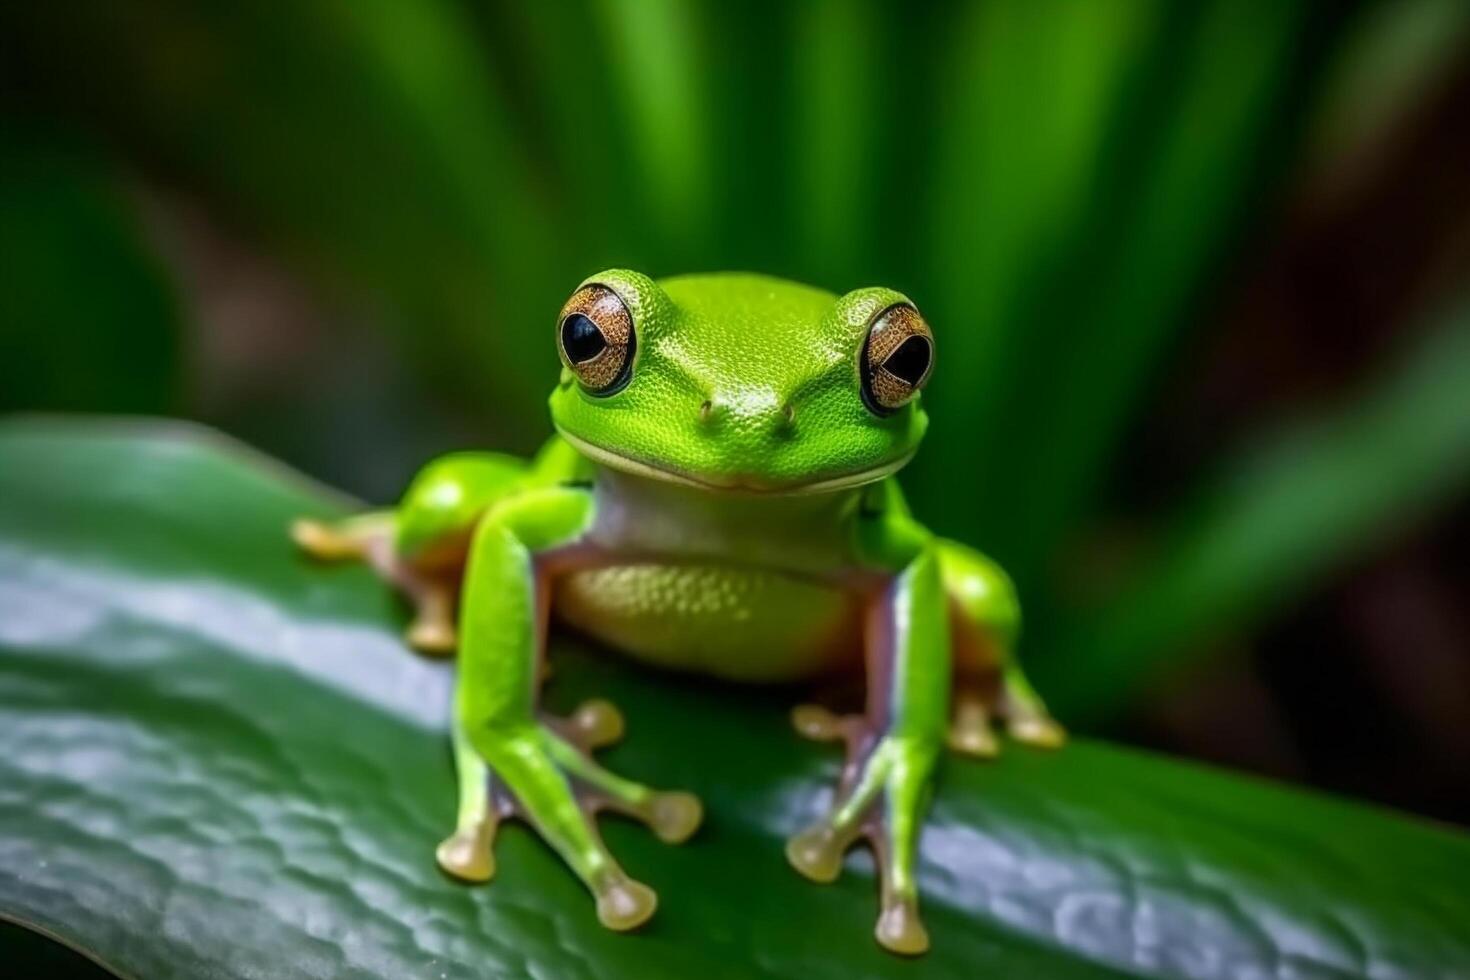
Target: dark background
[1200,276]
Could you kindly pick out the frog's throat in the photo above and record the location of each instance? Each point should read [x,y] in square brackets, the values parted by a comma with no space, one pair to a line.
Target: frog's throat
[638,467]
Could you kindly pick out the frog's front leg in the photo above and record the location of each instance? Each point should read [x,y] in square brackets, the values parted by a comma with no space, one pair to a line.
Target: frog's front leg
[512,758]
[891,749]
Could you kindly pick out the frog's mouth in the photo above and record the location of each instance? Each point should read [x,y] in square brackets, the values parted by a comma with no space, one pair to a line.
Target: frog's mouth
[736,483]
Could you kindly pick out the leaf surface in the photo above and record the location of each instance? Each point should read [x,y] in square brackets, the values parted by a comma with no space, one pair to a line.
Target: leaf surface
[217,760]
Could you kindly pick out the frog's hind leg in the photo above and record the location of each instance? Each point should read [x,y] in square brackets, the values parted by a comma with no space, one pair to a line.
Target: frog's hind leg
[985,621]
[419,547]
[349,539]
[431,587]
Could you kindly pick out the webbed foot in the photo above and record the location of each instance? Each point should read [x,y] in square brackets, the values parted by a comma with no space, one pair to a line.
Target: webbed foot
[970,731]
[369,538]
[1027,719]
[333,541]
[976,704]
[545,775]
[880,797]
[432,630]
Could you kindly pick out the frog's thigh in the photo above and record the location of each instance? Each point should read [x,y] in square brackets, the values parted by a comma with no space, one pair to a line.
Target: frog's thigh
[423,552]
[985,620]
[439,510]
[985,615]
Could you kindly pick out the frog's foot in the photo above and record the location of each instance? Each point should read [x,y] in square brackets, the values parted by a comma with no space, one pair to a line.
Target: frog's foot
[347,540]
[469,852]
[970,731]
[432,630]
[880,798]
[544,774]
[369,538]
[595,724]
[979,701]
[1027,719]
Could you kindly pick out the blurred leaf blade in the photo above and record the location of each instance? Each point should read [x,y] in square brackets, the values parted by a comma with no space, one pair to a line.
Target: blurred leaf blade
[1180,157]
[89,316]
[558,60]
[655,50]
[364,141]
[838,57]
[1284,511]
[1034,98]
[175,689]
[1392,53]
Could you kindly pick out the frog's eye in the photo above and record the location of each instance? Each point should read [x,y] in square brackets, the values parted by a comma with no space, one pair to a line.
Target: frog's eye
[596,340]
[897,358]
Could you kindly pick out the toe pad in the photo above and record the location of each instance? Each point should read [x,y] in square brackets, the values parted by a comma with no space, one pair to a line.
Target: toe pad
[900,931]
[817,853]
[623,903]
[466,855]
[675,816]
[1038,731]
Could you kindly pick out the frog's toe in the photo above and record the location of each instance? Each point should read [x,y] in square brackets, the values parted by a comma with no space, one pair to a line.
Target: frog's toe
[1040,731]
[822,724]
[976,742]
[623,903]
[1026,716]
[817,852]
[970,731]
[595,724]
[325,541]
[674,816]
[432,635]
[468,853]
[900,929]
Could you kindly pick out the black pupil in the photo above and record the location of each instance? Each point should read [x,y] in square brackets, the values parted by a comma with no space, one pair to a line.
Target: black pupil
[910,361]
[581,339]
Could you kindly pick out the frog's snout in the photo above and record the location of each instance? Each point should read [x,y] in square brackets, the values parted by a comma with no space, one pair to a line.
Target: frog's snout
[754,412]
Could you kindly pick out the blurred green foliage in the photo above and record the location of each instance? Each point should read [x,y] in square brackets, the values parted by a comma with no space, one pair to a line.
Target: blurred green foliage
[1052,184]
[87,311]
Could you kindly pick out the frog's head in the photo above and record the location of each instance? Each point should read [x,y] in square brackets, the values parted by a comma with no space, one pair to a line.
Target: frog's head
[741,382]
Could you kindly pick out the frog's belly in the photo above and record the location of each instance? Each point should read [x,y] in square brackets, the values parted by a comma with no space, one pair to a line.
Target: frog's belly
[738,623]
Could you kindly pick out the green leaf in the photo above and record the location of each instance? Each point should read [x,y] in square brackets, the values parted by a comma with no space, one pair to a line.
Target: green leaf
[216,759]
[1272,520]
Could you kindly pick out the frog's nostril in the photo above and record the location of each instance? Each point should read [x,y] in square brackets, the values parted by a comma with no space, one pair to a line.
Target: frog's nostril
[788,417]
[706,411]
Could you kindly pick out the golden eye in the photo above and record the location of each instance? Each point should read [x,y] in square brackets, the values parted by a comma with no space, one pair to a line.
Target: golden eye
[897,358]
[596,340]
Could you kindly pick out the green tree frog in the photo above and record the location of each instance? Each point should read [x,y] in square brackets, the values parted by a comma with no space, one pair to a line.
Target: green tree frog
[719,497]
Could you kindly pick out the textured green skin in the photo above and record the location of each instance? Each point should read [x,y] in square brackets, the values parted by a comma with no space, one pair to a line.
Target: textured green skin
[739,460]
[217,761]
[750,345]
